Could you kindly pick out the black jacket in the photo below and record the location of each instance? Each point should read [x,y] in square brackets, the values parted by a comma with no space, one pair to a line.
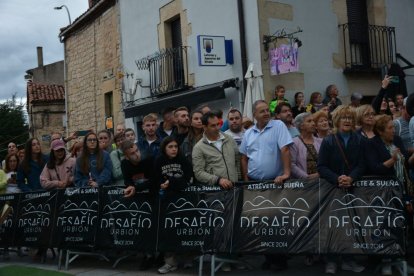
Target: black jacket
[376,102]
[178,171]
[140,175]
[331,163]
[376,154]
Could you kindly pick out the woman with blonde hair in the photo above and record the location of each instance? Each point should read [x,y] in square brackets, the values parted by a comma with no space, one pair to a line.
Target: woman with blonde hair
[365,120]
[341,162]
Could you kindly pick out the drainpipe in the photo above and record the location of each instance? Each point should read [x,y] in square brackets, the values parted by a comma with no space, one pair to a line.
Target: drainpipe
[243,52]
[65,82]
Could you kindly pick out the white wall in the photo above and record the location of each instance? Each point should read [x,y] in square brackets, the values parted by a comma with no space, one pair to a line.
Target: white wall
[139,38]
[400,15]
[253,39]
[320,42]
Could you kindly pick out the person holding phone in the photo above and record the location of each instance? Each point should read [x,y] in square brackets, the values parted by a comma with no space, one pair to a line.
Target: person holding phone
[8,178]
[331,99]
[300,106]
[11,164]
[93,166]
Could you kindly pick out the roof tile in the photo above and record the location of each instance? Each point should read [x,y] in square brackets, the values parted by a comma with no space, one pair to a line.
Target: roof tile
[38,92]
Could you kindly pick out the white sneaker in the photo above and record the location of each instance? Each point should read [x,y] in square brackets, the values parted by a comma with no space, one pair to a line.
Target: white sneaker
[167,268]
[386,270]
[352,266]
[330,268]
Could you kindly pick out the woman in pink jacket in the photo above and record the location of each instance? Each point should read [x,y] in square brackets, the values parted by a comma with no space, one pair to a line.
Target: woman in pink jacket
[305,148]
[59,170]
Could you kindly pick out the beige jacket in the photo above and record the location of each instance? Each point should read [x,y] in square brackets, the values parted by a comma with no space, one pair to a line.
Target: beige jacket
[210,164]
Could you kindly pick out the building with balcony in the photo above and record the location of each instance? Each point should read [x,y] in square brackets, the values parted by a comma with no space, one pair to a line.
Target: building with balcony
[129,58]
[344,42]
[166,66]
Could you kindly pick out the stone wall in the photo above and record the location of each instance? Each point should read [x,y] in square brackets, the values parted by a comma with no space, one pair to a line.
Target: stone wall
[92,55]
[45,119]
[49,74]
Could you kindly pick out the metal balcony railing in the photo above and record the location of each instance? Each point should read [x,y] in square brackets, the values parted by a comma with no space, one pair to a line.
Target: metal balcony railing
[168,70]
[367,48]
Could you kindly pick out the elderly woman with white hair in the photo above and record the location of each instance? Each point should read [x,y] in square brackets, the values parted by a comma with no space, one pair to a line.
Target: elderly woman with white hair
[305,148]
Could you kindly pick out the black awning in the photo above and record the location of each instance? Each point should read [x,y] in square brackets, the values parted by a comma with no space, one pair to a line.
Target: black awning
[191,97]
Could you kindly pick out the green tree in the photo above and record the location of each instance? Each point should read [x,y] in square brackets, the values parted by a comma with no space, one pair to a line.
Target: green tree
[13,124]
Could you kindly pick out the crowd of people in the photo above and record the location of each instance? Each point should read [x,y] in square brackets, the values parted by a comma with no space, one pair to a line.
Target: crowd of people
[321,139]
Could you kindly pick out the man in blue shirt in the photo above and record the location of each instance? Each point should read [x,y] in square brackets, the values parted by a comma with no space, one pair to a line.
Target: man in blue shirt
[265,156]
[265,148]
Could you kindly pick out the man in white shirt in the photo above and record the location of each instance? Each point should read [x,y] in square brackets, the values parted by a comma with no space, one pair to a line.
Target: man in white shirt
[235,130]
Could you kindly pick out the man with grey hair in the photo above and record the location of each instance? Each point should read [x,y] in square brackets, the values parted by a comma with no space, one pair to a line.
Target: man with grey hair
[265,155]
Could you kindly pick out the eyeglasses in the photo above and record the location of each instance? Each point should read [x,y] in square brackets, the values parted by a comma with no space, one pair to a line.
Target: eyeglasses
[347,118]
[369,114]
[91,140]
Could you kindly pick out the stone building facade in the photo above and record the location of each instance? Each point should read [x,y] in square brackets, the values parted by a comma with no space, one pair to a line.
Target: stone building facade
[45,99]
[46,109]
[92,59]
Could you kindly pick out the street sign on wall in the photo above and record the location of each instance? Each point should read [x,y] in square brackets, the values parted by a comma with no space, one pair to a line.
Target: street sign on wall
[211,50]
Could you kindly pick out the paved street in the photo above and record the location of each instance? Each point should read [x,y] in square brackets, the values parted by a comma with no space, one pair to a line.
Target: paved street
[88,266]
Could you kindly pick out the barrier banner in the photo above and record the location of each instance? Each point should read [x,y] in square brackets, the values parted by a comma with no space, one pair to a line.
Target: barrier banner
[8,218]
[127,223]
[77,218]
[278,218]
[36,216]
[196,221]
[298,217]
[367,219]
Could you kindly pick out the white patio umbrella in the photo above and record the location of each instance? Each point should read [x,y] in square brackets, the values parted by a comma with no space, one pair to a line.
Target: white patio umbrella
[254,89]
